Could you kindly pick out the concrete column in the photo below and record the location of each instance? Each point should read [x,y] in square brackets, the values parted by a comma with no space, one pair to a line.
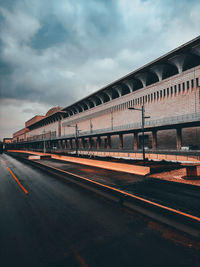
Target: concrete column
[98,142]
[70,143]
[90,142]
[108,142]
[135,141]
[83,142]
[121,141]
[178,138]
[154,139]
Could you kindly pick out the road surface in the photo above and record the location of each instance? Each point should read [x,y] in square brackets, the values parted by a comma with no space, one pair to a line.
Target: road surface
[47,222]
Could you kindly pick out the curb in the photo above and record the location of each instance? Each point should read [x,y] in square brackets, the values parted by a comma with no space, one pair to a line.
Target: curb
[182,222]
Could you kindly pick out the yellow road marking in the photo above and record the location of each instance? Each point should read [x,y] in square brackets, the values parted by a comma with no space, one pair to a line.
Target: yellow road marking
[25,191]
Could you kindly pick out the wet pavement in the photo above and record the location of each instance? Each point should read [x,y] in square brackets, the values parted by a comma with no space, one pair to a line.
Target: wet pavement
[60,224]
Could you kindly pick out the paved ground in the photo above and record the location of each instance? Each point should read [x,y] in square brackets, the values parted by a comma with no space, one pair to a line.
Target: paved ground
[182,197]
[58,224]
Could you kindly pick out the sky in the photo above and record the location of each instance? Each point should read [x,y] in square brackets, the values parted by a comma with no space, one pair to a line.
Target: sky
[53,53]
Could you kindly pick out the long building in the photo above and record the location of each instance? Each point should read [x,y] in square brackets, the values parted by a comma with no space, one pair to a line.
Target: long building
[167,88]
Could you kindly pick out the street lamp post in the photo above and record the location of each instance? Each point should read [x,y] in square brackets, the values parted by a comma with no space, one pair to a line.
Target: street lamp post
[76,136]
[143,118]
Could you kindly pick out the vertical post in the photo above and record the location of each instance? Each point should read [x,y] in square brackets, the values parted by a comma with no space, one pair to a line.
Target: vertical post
[135,141]
[76,138]
[178,138]
[121,141]
[143,151]
[44,145]
[154,139]
[98,142]
[108,142]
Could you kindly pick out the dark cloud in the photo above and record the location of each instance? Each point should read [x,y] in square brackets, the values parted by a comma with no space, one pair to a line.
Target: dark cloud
[55,52]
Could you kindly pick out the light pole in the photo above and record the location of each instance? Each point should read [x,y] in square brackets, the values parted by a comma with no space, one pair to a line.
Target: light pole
[76,136]
[143,118]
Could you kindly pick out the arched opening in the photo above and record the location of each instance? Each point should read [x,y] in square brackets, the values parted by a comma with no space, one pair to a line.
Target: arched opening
[137,84]
[115,93]
[191,61]
[151,78]
[125,89]
[169,71]
[105,97]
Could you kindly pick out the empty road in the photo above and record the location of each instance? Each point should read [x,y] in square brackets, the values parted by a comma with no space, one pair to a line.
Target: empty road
[47,222]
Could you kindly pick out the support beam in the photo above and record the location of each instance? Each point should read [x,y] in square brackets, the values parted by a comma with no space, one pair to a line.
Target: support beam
[83,142]
[108,142]
[70,143]
[121,141]
[179,138]
[90,142]
[135,141]
[154,139]
[98,142]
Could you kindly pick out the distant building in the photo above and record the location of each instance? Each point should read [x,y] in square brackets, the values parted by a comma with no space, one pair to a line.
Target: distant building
[167,87]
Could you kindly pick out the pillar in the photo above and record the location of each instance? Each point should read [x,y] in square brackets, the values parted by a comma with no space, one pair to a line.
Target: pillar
[121,141]
[179,138]
[83,142]
[108,142]
[98,142]
[154,139]
[135,141]
[70,142]
[90,142]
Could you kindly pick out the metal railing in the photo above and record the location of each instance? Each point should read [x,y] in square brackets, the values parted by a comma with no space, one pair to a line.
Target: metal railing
[133,126]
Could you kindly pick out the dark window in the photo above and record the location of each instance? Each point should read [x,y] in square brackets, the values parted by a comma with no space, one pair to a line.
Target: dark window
[157,95]
[179,88]
[164,92]
[154,96]
[192,83]
[188,85]
[160,93]
[183,87]
[145,98]
[171,90]
[151,97]
[167,91]
[148,98]
[175,89]
[197,81]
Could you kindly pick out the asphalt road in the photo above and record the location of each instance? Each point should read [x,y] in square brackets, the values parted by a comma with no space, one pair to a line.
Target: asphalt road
[59,224]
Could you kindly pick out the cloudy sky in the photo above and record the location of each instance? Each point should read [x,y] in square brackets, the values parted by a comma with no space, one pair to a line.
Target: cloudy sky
[56,52]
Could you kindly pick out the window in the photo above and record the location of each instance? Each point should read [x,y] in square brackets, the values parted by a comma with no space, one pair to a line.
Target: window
[164,92]
[145,98]
[175,89]
[154,94]
[188,85]
[167,91]
[151,97]
[197,81]
[157,95]
[192,83]
[183,87]
[160,93]
[179,88]
[171,90]
[148,98]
